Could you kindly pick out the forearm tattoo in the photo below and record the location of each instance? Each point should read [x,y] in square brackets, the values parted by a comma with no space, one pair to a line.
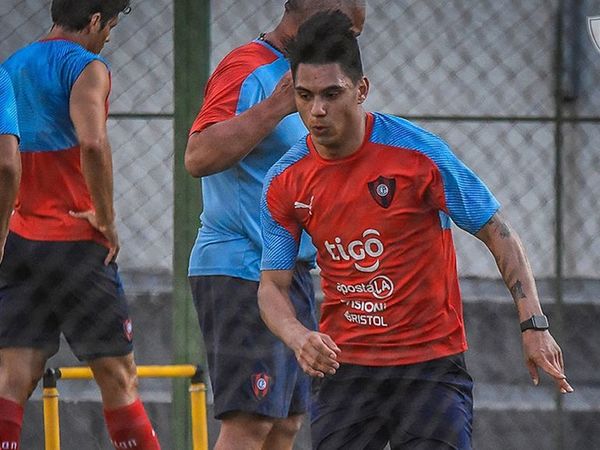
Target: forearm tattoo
[500,227]
[516,291]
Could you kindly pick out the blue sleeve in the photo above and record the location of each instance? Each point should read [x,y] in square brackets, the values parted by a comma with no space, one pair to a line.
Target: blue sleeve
[468,200]
[8,106]
[280,246]
[251,93]
[459,192]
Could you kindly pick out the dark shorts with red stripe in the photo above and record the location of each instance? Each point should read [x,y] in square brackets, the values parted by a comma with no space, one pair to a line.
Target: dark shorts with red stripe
[251,370]
[425,406]
[49,288]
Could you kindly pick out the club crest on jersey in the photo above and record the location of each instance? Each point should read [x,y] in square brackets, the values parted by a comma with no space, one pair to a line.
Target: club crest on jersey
[261,382]
[128,329]
[382,190]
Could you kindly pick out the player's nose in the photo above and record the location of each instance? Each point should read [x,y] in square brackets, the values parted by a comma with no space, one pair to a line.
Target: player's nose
[318,108]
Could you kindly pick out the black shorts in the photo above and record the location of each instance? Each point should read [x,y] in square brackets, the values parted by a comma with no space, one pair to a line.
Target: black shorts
[51,287]
[251,370]
[426,406]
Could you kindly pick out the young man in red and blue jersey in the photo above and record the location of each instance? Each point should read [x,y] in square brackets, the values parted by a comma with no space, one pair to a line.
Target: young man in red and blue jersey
[59,273]
[10,163]
[377,195]
[246,123]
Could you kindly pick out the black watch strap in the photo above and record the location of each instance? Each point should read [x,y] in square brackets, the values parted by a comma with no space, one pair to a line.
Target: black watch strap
[535,322]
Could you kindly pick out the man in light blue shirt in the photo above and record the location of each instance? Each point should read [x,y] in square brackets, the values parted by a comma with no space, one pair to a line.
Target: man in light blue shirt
[246,123]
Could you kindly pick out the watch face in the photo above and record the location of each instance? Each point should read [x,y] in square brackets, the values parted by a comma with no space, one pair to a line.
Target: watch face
[540,322]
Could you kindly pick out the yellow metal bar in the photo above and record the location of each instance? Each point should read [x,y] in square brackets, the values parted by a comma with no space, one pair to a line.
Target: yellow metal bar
[199,424]
[174,371]
[51,420]
[76,373]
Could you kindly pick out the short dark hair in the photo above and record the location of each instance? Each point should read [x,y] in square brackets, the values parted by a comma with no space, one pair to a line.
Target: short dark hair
[300,5]
[75,15]
[325,38]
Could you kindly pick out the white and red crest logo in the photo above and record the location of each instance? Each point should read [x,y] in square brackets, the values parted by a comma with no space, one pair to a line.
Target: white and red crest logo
[128,329]
[382,190]
[261,382]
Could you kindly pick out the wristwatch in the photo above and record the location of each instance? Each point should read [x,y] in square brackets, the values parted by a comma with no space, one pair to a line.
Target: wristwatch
[535,323]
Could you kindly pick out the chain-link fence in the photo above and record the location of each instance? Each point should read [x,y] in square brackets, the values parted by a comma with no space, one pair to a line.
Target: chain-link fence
[511,85]
[487,76]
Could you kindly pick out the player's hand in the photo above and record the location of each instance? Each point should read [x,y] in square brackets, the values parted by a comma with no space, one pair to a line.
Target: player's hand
[317,354]
[283,95]
[109,231]
[541,350]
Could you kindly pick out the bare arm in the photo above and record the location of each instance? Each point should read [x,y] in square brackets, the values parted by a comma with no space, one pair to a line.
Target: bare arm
[540,348]
[223,144]
[316,352]
[10,176]
[88,113]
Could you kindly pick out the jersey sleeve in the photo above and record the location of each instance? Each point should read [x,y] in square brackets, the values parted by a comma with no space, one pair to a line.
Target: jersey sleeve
[8,106]
[280,231]
[230,91]
[459,192]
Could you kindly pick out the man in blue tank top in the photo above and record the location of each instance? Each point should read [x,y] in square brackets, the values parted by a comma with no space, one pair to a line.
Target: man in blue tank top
[59,273]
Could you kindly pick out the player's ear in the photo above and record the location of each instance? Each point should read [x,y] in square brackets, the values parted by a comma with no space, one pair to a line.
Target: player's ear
[95,22]
[363,90]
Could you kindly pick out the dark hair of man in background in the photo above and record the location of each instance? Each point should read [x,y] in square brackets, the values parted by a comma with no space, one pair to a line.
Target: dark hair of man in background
[74,15]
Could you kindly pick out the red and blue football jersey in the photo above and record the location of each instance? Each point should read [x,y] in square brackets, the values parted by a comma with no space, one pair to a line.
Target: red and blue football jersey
[380,220]
[52,183]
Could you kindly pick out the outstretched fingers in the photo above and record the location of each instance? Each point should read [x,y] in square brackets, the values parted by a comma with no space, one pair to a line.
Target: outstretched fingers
[559,368]
[533,372]
[553,366]
[542,352]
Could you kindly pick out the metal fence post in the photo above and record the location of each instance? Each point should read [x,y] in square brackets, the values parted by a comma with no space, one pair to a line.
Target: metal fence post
[51,417]
[198,407]
[191,56]
[558,187]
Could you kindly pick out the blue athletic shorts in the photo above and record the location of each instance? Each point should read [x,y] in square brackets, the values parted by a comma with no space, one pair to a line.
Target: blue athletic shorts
[51,287]
[425,406]
[251,370]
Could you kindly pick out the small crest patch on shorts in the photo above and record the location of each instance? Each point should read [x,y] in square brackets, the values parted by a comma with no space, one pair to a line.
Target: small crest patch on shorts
[128,330]
[261,382]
